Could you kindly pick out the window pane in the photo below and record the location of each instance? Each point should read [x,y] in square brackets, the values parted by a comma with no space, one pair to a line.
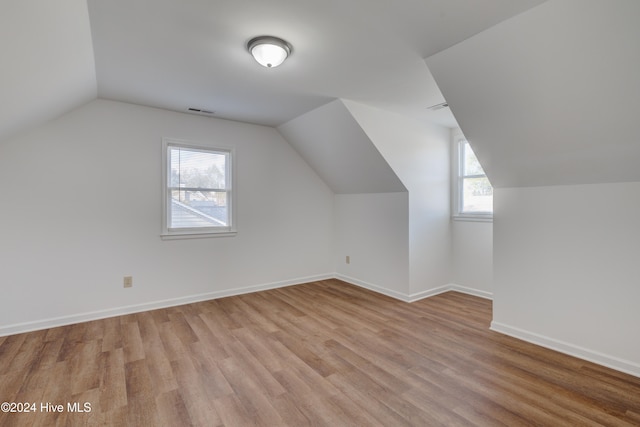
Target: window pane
[194,209]
[477,195]
[471,163]
[197,169]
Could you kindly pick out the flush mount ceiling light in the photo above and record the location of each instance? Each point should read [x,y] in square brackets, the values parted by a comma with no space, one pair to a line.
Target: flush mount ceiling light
[269,51]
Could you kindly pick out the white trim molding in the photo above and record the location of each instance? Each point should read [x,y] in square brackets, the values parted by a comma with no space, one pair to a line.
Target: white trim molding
[612,362]
[417,296]
[471,291]
[36,325]
[379,289]
[429,293]
[618,364]
[221,229]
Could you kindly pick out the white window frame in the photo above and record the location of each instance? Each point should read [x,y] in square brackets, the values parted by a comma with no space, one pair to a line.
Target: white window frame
[168,233]
[458,185]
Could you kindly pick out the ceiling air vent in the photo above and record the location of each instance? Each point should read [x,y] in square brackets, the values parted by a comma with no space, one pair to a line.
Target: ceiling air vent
[438,106]
[200,111]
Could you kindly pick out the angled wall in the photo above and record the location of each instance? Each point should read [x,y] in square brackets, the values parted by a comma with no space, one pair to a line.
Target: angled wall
[471,244]
[550,96]
[84,209]
[566,269]
[419,154]
[371,220]
[391,179]
[47,61]
[337,148]
[372,230]
[549,100]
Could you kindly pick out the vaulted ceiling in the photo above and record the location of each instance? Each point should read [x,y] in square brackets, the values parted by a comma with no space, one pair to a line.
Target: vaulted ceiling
[551,96]
[177,54]
[46,63]
[339,150]
[546,91]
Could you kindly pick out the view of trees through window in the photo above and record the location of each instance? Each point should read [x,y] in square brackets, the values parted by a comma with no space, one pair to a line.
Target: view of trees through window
[477,192]
[199,188]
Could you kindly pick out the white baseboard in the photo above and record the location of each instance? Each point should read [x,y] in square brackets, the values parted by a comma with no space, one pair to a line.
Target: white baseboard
[553,344]
[35,325]
[471,291]
[612,362]
[19,328]
[379,289]
[429,293]
[417,296]
[450,287]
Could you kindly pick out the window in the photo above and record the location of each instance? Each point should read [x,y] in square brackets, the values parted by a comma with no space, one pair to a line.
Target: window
[473,198]
[197,190]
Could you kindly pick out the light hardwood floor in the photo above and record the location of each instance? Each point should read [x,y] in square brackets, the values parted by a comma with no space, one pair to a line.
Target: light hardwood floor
[324,353]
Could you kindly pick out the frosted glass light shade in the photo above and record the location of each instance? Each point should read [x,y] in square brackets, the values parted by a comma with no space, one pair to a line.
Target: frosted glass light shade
[269,51]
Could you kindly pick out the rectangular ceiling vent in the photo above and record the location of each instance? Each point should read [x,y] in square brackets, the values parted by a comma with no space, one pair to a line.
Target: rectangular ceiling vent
[200,111]
[438,106]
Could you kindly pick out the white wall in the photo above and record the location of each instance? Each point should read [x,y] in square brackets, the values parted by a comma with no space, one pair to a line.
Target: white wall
[82,209]
[337,148]
[373,230]
[48,67]
[565,228]
[550,96]
[471,244]
[419,154]
[566,269]
[472,257]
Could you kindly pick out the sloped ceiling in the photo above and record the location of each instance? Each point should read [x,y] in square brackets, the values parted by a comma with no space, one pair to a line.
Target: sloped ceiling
[340,152]
[551,96]
[47,61]
[177,54]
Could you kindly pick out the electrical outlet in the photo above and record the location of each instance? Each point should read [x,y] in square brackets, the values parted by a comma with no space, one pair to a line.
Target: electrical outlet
[347,259]
[128,281]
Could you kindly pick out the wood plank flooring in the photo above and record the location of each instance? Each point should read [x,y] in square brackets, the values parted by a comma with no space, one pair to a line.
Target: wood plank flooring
[319,354]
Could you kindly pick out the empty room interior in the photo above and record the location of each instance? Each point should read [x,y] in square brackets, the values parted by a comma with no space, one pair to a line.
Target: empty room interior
[414,213]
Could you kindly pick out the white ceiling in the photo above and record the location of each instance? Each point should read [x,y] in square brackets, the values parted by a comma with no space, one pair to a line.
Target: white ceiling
[177,54]
[337,148]
[46,61]
[551,96]
[548,92]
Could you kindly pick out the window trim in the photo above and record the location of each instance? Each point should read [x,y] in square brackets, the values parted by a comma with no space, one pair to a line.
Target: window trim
[199,232]
[458,183]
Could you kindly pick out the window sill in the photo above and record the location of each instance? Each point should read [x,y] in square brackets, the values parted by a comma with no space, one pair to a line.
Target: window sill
[473,218]
[180,236]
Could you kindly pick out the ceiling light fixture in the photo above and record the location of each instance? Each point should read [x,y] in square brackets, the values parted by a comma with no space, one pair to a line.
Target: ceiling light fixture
[269,51]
